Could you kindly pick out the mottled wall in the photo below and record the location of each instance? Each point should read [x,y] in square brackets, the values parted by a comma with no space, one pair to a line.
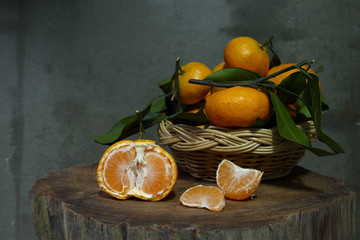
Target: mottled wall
[70,69]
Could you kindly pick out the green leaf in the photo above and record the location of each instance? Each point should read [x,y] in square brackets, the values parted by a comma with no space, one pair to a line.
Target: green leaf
[303,112]
[123,128]
[230,75]
[316,111]
[324,105]
[152,119]
[288,129]
[319,70]
[190,118]
[320,152]
[159,106]
[286,126]
[291,87]
[127,126]
[259,123]
[166,85]
[311,107]
[305,106]
[275,60]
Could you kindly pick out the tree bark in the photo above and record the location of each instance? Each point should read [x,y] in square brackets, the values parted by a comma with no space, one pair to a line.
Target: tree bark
[68,204]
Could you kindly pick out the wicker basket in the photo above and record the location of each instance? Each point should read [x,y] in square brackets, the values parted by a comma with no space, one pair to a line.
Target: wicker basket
[199,151]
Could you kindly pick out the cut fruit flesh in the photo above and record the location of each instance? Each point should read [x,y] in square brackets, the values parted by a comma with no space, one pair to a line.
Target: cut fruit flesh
[236,182]
[137,168]
[200,196]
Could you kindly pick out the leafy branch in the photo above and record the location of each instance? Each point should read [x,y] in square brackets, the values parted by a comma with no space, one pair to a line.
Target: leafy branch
[300,87]
[160,108]
[230,77]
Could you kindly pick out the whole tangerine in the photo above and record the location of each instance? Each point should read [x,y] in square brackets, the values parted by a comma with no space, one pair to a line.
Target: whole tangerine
[237,107]
[193,93]
[247,53]
[279,78]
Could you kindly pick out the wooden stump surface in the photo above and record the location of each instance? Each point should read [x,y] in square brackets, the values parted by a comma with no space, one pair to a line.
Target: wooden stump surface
[68,204]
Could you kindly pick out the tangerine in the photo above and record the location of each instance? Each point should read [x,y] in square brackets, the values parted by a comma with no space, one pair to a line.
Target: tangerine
[236,182]
[279,78]
[237,107]
[209,197]
[218,67]
[193,93]
[247,53]
[137,168]
[196,110]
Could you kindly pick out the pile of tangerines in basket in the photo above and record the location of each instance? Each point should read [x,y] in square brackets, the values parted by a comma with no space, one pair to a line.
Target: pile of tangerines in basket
[248,89]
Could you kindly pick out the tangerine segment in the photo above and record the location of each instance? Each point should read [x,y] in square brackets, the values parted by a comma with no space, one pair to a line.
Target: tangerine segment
[200,196]
[137,168]
[119,161]
[236,182]
[158,175]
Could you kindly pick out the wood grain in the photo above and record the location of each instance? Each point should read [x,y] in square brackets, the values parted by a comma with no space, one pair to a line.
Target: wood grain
[68,204]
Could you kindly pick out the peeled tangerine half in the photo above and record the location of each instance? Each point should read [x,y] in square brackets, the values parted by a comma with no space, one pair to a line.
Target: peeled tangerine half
[236,182]
[200,196]
[137,168]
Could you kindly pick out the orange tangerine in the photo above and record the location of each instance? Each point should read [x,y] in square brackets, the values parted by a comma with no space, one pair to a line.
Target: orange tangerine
[193,93]
[247,53]
[237,107]
[237,183]
[137,168]
[209,197]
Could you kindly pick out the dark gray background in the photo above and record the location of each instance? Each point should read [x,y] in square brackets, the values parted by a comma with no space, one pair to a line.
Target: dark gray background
[70,69]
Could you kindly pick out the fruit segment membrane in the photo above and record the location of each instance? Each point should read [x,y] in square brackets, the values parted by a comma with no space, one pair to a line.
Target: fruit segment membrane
[200,196]
[236,182]
[136,171]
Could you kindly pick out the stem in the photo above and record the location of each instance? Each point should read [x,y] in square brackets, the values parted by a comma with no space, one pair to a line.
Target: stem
[178,71]
[176,79]
[141,126]
[299,65]
[253,82]
[175,98]
[268,42]
[178,67]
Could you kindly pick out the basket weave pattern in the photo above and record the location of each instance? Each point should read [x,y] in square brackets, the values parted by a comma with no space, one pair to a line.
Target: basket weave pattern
[199,151]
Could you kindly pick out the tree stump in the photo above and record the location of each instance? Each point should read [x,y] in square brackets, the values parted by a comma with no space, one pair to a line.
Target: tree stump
[68,204]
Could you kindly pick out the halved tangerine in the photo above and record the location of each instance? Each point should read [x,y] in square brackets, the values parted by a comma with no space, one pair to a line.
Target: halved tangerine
[200,196]
[236,182]
[137,168]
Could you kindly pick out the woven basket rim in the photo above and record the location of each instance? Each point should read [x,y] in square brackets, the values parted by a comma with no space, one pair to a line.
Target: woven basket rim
[183,137]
